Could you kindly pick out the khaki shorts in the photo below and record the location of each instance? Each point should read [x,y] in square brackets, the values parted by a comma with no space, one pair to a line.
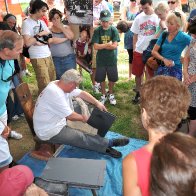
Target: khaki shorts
[44,71]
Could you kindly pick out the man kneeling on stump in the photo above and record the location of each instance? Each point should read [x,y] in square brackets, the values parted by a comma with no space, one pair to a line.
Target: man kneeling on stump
[54,107]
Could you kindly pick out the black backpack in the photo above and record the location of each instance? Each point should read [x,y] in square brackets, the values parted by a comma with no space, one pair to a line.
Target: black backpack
[147,53]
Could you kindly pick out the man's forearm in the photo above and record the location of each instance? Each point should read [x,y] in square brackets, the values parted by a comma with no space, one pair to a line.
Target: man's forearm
[88,98]
[135,38]
[76,117]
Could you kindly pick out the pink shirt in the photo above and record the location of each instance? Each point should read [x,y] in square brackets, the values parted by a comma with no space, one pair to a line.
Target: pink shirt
[143,159]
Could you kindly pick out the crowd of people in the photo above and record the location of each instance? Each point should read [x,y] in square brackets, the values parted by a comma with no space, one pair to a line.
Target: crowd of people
[165,94]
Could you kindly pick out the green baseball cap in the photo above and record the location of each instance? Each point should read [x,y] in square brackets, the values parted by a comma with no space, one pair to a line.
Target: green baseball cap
[105,15]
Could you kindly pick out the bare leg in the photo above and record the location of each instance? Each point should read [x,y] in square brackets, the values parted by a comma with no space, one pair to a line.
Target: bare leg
[192,128]
[130,70]
[138,80]
[103,91]
[93,76]
[111,85]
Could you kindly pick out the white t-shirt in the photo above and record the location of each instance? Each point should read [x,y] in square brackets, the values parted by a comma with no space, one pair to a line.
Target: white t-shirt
[145,27]
[4,147]
[52,107]
[32,27]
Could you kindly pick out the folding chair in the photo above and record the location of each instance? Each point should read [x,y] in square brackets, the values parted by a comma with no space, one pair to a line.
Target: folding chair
[43,149]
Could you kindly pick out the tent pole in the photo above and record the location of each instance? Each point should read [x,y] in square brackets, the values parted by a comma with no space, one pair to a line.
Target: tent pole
[6,6]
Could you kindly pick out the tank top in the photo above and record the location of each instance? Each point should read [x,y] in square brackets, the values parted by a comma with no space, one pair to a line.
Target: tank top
[62,49]
[128,37]
[130,16]
[143,159]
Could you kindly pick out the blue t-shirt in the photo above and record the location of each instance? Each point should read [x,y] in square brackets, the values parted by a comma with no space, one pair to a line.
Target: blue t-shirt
[7,67]
[172,50]
[192,14]
[128,40]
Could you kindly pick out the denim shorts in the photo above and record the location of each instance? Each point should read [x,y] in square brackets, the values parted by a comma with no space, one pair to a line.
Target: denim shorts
[63,64]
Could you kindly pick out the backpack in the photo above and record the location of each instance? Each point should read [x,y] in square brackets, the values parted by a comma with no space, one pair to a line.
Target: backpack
[147,53]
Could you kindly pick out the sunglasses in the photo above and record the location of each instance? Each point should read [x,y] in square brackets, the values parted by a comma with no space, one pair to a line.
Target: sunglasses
[10,77]
[133,0]
[171,2]
[177,14]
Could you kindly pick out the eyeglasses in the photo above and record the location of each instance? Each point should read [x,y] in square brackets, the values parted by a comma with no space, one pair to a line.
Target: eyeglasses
[192,21]
[133,0]
[10,77]
[172,2]
[177,14]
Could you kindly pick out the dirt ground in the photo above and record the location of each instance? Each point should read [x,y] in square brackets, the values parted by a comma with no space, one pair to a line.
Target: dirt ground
[19,147]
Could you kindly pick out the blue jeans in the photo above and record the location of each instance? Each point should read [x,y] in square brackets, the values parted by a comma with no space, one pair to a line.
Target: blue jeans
[17,106]
[63,64]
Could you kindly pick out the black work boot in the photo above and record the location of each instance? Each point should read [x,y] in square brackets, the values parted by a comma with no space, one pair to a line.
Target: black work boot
[120,142]
[136,99]
[113,153]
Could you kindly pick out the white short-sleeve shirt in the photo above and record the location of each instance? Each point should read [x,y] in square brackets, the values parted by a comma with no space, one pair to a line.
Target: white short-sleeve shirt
[32,27]
[145,27]
[52,107]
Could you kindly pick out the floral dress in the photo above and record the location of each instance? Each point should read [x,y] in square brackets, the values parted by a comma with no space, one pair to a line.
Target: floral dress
[192,71]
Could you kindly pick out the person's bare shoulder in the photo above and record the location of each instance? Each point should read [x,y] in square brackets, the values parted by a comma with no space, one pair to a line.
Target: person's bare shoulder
[129,170]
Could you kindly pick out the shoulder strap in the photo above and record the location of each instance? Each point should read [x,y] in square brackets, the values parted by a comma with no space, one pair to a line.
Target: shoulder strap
[164,35]
[40,26]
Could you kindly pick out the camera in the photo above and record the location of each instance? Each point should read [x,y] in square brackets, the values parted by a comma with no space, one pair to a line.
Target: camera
[47,37]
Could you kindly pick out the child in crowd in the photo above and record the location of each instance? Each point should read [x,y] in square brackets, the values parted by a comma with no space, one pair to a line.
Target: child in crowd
[123,27]
[82,46]
[105,40]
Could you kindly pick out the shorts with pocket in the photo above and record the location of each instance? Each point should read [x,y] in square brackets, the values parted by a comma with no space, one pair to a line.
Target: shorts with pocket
[110,71]
[138,65]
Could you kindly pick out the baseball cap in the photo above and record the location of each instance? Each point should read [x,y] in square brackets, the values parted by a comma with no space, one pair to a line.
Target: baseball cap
[105,15]
[14,181]
[71,75]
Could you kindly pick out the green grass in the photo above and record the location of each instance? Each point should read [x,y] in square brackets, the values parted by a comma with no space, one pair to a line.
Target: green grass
[128,121]
[24,6]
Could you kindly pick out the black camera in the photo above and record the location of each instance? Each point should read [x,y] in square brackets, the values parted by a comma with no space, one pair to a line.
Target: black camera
[47,37]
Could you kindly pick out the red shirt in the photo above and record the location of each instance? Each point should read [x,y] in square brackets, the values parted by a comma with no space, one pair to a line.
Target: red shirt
[143,159]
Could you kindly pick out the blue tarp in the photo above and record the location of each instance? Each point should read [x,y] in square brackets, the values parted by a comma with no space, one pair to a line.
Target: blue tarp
[113,176]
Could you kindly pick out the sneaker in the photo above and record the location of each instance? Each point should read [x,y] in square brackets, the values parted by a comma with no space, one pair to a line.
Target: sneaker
[113,153]
[120,142]
[103,99]
[15,117]
[112,99]
[22,115]
[97,88]
[136,99]
[28,73]
[15,135]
